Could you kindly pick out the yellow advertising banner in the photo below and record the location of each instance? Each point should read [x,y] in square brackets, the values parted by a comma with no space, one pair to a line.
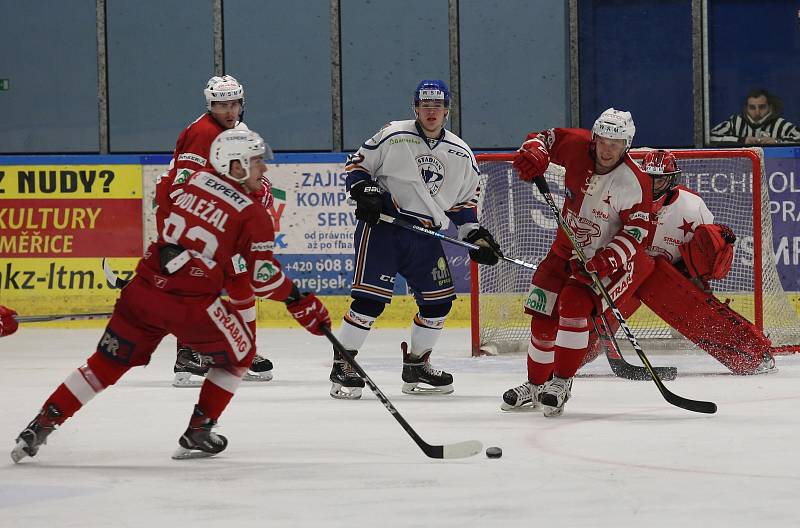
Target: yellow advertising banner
[44,286]
[70,181]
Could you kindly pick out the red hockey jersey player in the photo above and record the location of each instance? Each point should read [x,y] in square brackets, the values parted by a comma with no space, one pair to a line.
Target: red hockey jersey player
[608,205]
[225,104]
[214,234]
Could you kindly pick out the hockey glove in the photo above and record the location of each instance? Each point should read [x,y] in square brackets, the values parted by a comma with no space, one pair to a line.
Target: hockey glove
[8,324]
[489,253]
[603,263]
[709,254]
[310,313]
[369,203]
[264,194]
[531,160]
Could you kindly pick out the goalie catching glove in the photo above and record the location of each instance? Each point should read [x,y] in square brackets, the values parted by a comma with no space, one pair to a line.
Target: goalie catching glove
[369,202]
[531,160]
[8,324]
[310,313]
[709,254]
[489,252]
[603,263]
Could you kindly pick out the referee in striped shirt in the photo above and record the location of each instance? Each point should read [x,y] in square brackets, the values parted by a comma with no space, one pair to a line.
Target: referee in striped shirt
[759,124]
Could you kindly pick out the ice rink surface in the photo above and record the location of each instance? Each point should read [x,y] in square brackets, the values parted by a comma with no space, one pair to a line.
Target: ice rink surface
[620,456]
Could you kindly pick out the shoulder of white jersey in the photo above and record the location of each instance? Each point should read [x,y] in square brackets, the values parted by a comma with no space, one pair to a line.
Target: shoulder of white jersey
[693,200]
[241,126]
[686,192]
[220,188]
[389,130]
[460,146]
[631,169]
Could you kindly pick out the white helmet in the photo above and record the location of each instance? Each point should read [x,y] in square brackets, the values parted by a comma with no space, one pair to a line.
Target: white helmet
[225,88]
[615,124]
[239,145]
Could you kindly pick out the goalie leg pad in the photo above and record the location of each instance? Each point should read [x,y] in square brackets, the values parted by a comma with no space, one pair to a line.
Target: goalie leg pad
[704,320]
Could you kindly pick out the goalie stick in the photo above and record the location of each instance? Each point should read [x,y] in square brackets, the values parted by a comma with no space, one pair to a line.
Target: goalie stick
[430,232]
[464,449]
[672,398]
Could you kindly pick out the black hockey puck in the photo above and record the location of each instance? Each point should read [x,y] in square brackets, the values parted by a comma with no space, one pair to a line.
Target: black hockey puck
[494,452]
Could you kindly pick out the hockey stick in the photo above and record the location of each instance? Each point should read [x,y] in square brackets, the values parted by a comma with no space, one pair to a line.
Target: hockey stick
[112,279]
[458,450]
[61,317]
[619,366]
[679,401]
[430,232]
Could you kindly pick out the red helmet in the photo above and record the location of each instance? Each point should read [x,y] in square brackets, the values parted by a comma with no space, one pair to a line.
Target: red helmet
[663,169]
[660,163]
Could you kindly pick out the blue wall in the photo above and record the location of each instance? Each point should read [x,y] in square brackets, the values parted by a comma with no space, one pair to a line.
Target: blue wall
[160,56]
[513,64]
[49,54]
[753,45]
[639,58]
[387,48]
[280,51]
[514,69]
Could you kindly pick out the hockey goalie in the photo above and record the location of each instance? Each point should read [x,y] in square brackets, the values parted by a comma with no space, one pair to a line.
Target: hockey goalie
[688,251]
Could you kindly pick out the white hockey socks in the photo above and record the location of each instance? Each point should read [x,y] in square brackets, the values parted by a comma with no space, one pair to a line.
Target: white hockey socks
[424,334]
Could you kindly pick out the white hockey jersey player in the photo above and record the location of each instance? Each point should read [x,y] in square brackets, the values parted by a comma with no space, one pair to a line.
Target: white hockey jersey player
[426,179]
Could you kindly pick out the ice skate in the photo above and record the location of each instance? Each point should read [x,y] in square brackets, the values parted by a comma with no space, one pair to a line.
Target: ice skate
[29,440]
[260,370]
[199,441]
[419,370]
[347,384]
[522,398]
[189,369]
[554,394]
[767,365]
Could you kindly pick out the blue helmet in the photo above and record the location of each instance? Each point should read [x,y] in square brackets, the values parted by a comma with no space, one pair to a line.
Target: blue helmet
[429,90]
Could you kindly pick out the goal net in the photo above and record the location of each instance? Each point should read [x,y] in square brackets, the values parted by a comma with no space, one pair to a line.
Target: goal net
[729,181]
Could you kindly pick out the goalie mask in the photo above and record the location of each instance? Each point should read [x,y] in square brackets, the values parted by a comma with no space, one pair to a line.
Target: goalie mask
[238,145]
[615,124]
[225,88]
[662,168]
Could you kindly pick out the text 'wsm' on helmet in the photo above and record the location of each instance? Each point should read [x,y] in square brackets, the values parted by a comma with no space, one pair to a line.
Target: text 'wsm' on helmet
[237,145]
[432,90]
[615,124]
[225,88]
[662,167]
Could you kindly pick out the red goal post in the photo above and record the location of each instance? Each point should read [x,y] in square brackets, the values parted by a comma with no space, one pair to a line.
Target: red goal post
[732,185]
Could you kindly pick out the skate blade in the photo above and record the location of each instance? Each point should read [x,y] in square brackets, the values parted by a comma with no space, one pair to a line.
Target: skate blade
[552,412]
[184,379]
[18,453]
[527,407]
[188,454]
[345,393]
[417,390]
[258,376]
